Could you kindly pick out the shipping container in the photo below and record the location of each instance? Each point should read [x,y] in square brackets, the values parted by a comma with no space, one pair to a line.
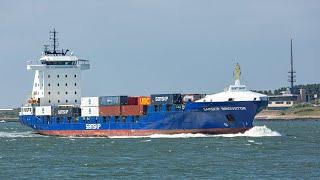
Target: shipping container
[132,101]
[109,110]
[43,111]
[27,111]
[90,101]
[133,110]
[113,100]
[191,97]
[144,100]
[90,111]
[66,111]
[157,99]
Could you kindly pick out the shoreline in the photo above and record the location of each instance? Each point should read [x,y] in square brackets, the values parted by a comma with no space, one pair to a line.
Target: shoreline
[286,118]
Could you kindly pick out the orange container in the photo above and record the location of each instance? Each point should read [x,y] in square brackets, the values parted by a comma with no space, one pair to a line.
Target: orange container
[133,110]
[109,110]
[144,100]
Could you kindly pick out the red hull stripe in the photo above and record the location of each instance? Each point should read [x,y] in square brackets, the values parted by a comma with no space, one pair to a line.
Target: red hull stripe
[106,133]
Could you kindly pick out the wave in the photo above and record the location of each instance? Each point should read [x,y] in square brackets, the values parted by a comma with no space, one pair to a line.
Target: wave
[19,134]
[257,131]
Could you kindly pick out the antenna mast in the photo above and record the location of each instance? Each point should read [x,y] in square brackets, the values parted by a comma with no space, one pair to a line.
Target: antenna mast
[54,40]
[291,72]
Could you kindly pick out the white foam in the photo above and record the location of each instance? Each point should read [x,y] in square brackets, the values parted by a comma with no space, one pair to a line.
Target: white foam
[257,131]
[18,134]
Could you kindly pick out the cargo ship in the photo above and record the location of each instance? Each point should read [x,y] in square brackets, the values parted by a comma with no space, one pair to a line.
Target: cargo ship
[56,107]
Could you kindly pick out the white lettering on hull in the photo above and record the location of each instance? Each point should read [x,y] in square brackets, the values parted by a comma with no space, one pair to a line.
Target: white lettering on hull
[224,109]
[93,126]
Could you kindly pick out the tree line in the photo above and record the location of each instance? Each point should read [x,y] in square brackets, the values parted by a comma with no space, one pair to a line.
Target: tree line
[311,90]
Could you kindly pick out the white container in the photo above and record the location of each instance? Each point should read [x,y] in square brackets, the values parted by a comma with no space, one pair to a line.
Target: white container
[26,110]
[89,101]
[43,111]
[89,111]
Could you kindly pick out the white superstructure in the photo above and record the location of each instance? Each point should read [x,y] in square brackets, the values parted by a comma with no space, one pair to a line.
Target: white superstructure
[57,79]
[236,92]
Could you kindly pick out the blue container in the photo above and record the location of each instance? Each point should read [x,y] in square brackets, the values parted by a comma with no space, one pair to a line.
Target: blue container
[113,100]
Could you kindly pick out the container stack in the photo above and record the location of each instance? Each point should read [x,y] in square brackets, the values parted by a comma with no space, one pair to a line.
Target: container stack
[58,111]
[114,106]
[111,105]
[89,106]
[136,106]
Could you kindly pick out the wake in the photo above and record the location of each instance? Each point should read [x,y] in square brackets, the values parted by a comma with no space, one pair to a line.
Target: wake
[257,131]
[26,134]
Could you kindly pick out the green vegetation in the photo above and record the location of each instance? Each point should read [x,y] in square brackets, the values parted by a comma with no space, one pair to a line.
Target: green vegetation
[311,89]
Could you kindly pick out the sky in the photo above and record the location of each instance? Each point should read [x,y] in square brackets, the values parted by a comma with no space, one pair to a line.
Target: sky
[141,47]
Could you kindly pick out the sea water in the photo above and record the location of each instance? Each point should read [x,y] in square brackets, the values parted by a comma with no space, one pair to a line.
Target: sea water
[270,150]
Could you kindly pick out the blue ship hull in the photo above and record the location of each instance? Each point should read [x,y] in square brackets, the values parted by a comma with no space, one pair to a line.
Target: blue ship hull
[202,117]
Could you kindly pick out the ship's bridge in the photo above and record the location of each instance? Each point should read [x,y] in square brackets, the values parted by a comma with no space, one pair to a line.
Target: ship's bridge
[57,79]
[49,61]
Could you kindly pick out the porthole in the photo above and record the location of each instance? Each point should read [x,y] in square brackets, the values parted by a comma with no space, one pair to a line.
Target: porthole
[75,84]
[58,84]
[66,92]
[66,76]
[75,92]
[58,76]
[49,76]
[49,84]
[66,101]
[49,92]
[75,101]
[66,84]
[75,76]
[58,101]
[58,92]
[49,101]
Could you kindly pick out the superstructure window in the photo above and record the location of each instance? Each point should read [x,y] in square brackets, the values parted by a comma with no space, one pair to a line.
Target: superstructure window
[66,92]
[75,76]
[58,101]
[49,76]
[75,84]
[75,92]
[49,92]
[58,76]
[66,84]
[66,76]
[49,84]
[75,101]
[58,84]
[67,101]
[49,101]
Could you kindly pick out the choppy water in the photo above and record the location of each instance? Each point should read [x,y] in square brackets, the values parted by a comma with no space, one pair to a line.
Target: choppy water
[271,150]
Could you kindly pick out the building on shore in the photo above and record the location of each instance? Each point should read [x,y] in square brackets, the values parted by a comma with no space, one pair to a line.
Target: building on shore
[287,100]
